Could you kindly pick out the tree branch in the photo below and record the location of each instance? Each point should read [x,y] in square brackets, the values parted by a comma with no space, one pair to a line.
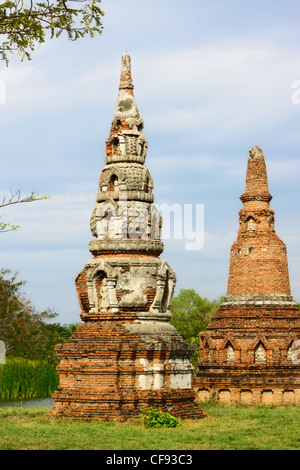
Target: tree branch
[15,198]
[24,26]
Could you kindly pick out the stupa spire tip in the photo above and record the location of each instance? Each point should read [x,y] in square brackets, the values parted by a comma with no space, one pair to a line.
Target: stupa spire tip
[126,106]
[126,78]
[255,152]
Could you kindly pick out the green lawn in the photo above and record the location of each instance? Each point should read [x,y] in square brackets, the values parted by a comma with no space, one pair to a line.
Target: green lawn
[225,428]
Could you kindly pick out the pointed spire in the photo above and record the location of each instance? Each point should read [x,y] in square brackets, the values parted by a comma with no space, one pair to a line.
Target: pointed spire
[256,178]
[126,78]
[126,106]
[258,260]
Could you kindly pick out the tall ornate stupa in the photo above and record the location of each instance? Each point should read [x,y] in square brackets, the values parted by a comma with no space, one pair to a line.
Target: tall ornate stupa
[248,353]
[125,355]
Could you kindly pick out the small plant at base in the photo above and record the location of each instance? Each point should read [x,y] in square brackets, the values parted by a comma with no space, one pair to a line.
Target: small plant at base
[154,418]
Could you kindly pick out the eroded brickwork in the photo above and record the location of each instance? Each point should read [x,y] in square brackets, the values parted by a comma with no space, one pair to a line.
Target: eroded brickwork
[247,353]
[258,261]
[126,355]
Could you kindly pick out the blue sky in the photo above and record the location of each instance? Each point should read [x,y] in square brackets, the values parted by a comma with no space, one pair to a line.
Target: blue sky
[212,79]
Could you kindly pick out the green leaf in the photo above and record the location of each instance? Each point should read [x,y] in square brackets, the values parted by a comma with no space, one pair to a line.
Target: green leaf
[23,25]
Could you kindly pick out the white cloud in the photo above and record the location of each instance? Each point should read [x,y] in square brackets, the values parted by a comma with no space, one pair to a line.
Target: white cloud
[229,84]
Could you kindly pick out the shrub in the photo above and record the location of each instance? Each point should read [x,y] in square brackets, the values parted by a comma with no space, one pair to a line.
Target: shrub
[154,418]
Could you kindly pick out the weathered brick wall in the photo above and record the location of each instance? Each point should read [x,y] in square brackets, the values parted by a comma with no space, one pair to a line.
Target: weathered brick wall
[258,259]
[108,373]
[258,266]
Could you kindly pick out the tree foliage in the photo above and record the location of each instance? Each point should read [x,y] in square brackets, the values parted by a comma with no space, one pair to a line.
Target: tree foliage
[25,23]
[25,331]
[191,314]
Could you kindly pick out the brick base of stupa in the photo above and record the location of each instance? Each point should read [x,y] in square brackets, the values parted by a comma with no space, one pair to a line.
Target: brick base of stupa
[246,355]
[113,370]
[251,386]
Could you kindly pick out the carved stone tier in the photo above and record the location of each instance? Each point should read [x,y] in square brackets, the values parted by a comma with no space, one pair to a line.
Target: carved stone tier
[259,300]
[126,284]
[128,195]
[122,246]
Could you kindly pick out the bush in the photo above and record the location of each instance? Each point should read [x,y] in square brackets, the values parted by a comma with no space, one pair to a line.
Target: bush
[154,418]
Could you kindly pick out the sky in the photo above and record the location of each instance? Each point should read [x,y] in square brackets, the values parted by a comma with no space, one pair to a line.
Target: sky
[212,79]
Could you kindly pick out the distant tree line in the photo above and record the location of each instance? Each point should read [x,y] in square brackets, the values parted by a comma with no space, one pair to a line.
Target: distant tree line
[25,332]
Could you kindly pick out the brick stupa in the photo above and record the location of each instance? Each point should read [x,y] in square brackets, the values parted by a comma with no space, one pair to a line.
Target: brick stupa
[248,352]
[125,355]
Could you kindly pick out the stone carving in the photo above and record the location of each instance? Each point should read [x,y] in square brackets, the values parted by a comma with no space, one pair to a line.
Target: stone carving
[251,225]
[230,354]
[290,354]
[106,298]
[105,304]
[166,280]
[260,355]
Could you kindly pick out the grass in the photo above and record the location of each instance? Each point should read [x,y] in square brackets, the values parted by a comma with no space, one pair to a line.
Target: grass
[23,379]
[225,428]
